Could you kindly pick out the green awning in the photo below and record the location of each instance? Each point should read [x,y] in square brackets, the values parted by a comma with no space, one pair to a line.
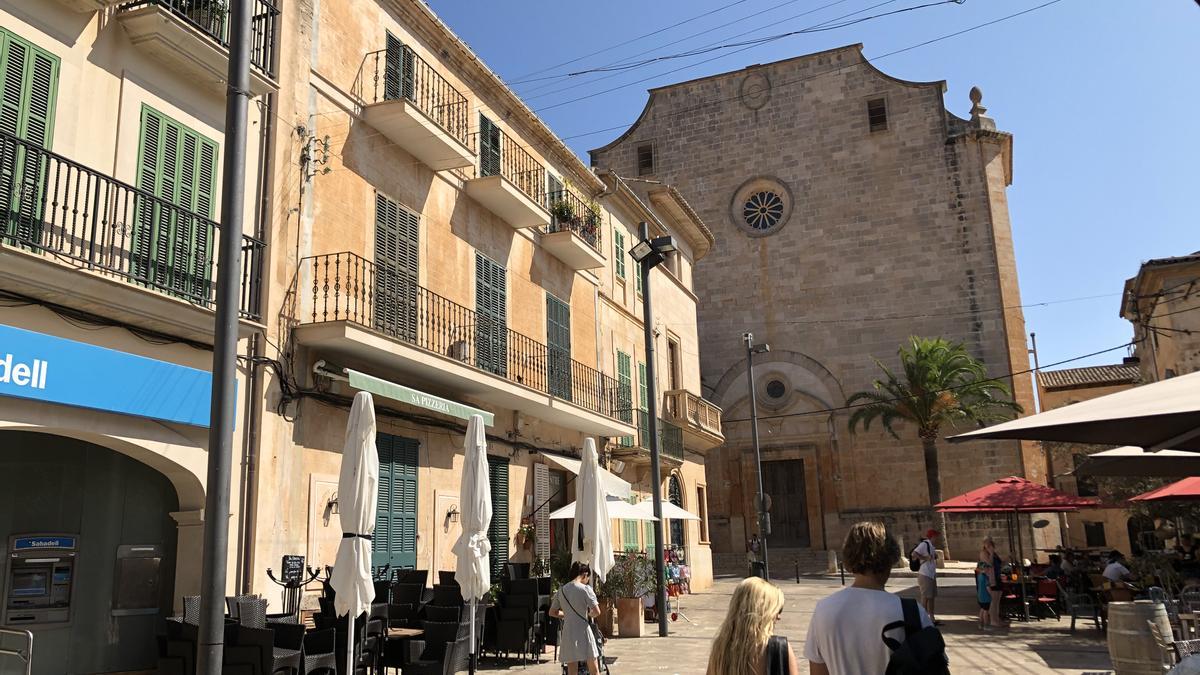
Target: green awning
[413,397]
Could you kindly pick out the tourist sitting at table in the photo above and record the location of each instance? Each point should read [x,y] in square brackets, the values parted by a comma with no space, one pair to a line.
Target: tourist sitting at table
[1185,548]
[1116,572]
[1055,570]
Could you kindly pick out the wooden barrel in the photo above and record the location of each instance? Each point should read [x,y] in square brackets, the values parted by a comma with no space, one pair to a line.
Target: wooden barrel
[1130,643]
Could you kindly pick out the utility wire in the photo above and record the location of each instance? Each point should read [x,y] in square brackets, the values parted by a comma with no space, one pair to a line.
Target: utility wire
[762,40]
[842,408]
[521,79]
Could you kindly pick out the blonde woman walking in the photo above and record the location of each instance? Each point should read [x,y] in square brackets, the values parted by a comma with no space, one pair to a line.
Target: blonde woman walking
[745,643]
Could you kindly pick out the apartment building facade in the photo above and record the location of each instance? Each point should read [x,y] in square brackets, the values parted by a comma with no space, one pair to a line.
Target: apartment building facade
[1163,304]
[429,231]
[111,140]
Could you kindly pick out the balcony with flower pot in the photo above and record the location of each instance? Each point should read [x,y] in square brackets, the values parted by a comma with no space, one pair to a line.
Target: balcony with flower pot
[192,37]
[573,235]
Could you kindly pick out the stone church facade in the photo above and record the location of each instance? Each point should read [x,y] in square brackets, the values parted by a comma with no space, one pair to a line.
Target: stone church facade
[851,210]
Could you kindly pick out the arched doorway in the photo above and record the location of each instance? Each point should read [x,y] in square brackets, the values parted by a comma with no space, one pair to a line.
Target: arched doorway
[675,496]
[117,508]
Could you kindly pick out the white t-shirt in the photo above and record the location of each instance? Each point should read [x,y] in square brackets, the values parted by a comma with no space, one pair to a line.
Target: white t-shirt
[929,565]
[1116,571]
[845,631]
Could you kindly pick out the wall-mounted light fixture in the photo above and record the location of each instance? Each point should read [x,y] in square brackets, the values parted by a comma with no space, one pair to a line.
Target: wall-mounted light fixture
[452,514]
[331,506]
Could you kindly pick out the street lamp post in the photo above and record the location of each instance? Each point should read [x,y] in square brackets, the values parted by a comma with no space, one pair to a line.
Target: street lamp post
[649,253]
[760,506]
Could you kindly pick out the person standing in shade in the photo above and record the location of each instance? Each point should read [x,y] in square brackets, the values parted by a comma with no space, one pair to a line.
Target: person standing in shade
[926,552]
[992,557]
[576,605]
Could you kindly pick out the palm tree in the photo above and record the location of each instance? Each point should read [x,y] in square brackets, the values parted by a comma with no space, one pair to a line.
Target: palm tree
[941,385]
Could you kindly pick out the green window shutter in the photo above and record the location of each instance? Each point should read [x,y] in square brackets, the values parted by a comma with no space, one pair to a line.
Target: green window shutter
[558,346]
[624,393]
[397,266]
[643,418]
[398,70]
[629,535]
[541,518]
[27,101]
[554,186]
[649,542]
[498,529]
[675,496]
[489,147]
[491,316]
[172,248]
[619,252]
[395,541]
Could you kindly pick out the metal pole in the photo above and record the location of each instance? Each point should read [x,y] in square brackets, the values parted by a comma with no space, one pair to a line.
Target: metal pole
[211,647]
[652,410]
[760,506]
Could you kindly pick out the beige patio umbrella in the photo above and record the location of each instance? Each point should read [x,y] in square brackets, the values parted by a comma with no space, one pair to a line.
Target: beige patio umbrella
[1154,416]
[1131,461]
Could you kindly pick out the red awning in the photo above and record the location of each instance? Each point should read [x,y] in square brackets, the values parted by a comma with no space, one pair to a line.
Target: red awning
[1014,494]
[1186,489]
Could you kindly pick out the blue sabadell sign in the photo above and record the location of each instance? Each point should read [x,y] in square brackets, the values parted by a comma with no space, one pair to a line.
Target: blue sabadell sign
[53,369]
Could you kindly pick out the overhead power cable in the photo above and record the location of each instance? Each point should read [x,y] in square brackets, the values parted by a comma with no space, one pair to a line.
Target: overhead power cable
[762,40]
[842,408]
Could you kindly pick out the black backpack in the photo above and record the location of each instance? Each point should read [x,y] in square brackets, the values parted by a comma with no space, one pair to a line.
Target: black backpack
[914,563]
[923,651]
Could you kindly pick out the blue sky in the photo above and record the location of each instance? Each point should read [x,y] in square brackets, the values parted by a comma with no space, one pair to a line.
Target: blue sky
[1101,97]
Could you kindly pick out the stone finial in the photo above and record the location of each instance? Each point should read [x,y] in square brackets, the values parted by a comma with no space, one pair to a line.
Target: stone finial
[979,117]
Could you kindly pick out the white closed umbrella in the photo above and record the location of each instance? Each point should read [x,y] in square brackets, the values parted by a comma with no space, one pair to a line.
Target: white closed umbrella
[591,534]
[617,508]
[669,511]
[358,493]
[471,570]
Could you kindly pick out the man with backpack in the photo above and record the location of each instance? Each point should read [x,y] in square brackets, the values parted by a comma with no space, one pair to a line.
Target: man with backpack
[863,629]
[924,560]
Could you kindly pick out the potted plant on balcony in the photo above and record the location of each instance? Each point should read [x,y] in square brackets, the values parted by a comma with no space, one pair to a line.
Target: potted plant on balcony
[630,578]
[562,212]
[208,14]
[526,534]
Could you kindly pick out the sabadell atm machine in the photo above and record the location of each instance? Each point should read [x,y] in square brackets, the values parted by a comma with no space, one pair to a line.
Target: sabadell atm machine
[39,579]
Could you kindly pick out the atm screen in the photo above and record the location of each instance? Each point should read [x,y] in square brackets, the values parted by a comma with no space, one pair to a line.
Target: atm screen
[28,583]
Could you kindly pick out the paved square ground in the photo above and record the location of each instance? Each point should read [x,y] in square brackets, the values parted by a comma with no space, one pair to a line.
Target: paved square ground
[1038,647]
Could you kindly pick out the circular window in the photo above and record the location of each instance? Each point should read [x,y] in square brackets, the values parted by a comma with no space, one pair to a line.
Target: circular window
[761,206]
[763,210]
[776,389]
[755,91]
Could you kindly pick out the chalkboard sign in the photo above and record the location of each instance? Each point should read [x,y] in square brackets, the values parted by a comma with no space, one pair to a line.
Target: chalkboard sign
[293,569]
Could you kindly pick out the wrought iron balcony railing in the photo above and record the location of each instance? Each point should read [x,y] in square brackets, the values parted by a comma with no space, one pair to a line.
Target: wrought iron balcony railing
[670,437]
[212,17]
[502,156]
[688,408]
[347,287]
[570,213]
[52,205]
[399,73]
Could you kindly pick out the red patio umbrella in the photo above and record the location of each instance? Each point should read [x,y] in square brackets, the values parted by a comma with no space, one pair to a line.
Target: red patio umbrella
[1016,495]
[1183,490]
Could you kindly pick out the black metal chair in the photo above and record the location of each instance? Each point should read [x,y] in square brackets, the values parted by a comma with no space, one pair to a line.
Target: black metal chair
[447,595]
[191,609]
[447,578]
[515,632]
[232,601]
[252,612]
[418,577]
[320,652]
[406,615]
[440,613]
[439,635]
[289,646]
[517,570]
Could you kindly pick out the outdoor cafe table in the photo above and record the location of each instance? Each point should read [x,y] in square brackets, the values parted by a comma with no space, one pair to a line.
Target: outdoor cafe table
[1021,602]
[404,633]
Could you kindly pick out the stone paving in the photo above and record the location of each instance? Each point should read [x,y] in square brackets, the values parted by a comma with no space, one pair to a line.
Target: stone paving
[1038,647]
